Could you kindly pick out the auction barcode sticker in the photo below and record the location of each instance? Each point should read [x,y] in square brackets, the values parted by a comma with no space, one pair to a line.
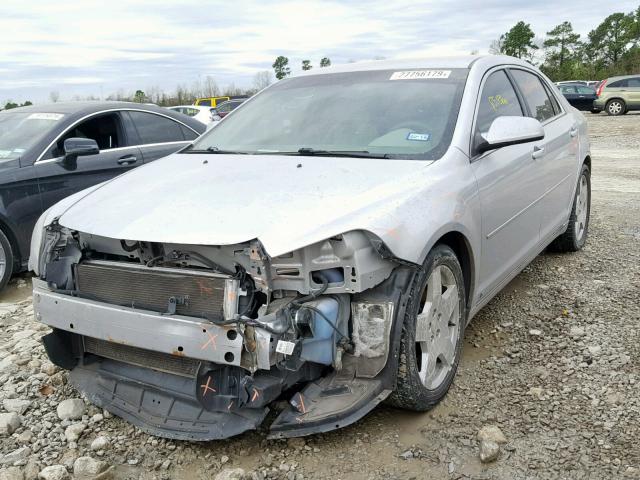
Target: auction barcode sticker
[418,74]
[285,347]
[45,116]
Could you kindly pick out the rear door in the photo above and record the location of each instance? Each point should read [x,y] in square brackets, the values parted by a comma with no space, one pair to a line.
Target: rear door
[557,161]
[571,94]
[633,92]
[586,97]
[159,135]
[57,181]
[509,182]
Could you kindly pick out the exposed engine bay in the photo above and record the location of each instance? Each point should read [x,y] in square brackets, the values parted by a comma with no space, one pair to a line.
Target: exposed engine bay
[200,342]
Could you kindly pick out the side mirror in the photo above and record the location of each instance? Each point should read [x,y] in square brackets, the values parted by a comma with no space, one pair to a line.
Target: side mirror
[505,131]
[78,147]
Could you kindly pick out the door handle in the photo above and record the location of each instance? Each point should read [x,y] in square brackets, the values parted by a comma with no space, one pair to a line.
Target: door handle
[127,160]
[538,152]
[574,131]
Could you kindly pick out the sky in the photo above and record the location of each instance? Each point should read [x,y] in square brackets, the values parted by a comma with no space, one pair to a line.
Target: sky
[98,47]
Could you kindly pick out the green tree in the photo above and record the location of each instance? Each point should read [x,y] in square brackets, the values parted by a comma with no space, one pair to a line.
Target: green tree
[561,51]
[611,39]
[325,62]
[27,103]
[306,65]
[281,67]
[9,105]
[518,42]
[139,96]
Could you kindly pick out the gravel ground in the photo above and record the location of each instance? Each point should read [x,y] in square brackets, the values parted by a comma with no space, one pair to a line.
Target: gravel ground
[552,362]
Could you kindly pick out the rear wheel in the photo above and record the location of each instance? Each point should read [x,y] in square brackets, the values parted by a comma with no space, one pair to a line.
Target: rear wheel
[615,107]
[6,260]
[575,236]
[432,333]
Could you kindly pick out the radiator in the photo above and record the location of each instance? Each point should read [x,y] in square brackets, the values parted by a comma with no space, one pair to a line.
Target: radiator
[164,362]
[193,294]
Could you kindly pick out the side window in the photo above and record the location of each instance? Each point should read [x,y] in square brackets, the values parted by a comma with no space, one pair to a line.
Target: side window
[567,89]
[155,128]
[498,99]
[188,133]
[106,130]
[633,82]
[618,84]
[204,103]
[534,95]
[586,91]
[225,107]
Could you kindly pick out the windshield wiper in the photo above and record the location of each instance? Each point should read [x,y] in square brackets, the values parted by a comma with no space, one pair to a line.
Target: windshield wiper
[335,153]
[213,150]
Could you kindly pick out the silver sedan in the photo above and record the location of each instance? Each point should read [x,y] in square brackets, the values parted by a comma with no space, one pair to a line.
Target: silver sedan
[326,244]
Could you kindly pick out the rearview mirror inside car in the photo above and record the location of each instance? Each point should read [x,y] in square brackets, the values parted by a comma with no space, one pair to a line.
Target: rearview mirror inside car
[510,130]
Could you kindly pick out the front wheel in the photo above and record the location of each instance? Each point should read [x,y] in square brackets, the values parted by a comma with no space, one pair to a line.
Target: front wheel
[432,333]
[575,236]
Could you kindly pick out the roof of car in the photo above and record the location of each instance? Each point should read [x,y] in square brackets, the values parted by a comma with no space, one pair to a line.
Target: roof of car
[199,107]
[465,61]
[622,77]
[84,107]
[75,110]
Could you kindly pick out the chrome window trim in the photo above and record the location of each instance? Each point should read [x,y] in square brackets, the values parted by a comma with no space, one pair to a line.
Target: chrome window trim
[49,160]
[548,90]
[485,76]
[110,110]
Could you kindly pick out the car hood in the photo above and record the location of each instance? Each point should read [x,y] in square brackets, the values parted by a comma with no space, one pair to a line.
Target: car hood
[286,202]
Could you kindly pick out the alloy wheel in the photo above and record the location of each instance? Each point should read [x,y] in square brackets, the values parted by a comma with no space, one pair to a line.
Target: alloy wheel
[615,108]
[437,327]
[582,208]
[3,261]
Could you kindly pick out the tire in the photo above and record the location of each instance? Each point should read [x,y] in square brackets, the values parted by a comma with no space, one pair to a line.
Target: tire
[6,260]
[575,236]
[615,107]
[411,392]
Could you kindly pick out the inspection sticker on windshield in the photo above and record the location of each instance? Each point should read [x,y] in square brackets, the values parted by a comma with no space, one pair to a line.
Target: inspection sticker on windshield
[418,137]
[285,347]
[419,74]
[45,116]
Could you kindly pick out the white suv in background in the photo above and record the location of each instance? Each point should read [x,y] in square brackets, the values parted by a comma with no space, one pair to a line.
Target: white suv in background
[202,114]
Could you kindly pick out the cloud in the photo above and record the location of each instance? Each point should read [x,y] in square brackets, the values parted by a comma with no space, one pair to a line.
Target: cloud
[92,47]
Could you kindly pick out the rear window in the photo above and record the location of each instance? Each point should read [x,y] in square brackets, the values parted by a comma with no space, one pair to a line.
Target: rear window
[633,82]
[617,84]
[535,95]
[155,128]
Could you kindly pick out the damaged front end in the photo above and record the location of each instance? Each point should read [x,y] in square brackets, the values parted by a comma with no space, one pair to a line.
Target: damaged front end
[199,342]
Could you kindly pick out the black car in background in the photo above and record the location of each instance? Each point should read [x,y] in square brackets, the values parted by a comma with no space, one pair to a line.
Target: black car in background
[579,95]
[50,152]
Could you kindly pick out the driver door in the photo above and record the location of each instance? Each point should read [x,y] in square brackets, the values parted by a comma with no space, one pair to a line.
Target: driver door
[57,181]
[509,184]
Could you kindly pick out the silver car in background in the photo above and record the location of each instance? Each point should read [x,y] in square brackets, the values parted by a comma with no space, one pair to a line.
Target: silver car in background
[325,245]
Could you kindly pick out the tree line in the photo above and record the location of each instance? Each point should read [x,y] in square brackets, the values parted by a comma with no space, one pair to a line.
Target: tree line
[612,48]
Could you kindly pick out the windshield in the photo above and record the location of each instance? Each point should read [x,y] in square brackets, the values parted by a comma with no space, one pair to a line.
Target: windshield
[20,131]
[386,113]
